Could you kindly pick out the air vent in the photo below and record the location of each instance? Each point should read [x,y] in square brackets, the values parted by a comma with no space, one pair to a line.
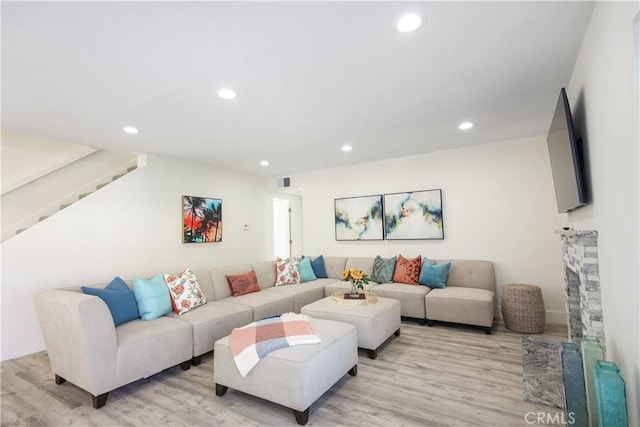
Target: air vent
[283,182]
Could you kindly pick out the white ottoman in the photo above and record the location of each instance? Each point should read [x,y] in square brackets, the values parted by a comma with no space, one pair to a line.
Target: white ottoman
[296,376]
[375,322]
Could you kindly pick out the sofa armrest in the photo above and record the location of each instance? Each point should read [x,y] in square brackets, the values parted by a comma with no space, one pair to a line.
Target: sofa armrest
[80,337]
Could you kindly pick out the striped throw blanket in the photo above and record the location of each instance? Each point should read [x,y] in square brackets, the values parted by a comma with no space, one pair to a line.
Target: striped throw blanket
[251,343]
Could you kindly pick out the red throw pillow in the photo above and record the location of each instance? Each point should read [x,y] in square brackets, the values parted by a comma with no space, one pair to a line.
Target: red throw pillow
[407,270]
[241,284]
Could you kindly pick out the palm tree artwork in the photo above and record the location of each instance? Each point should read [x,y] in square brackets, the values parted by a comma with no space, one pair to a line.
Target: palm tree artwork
[201,220]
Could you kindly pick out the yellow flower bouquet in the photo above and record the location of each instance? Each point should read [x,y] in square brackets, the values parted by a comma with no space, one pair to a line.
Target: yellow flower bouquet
[357,278]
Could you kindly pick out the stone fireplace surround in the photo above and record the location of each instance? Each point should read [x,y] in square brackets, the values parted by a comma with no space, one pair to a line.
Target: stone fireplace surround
[582,285]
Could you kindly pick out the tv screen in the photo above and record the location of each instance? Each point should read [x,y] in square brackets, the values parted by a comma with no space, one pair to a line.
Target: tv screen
[565,152]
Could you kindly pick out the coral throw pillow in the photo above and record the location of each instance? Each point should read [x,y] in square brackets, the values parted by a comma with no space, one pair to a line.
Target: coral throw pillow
[407,270]
[184,291]
[241,284]
[287,272]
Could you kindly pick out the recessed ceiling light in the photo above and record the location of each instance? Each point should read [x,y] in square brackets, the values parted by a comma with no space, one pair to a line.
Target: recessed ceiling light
[409,22]
[264,163]
[465,125]
[346,148]
[130,129]
[227,93]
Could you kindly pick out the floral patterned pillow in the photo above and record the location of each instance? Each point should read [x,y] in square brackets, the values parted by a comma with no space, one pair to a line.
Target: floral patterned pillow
[287,272]
[407,270]
[184,291]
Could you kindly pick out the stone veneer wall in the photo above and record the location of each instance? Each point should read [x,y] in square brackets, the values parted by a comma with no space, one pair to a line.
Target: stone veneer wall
[582,285]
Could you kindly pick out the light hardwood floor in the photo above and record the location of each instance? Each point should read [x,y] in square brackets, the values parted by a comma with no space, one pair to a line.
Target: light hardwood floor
[428,376]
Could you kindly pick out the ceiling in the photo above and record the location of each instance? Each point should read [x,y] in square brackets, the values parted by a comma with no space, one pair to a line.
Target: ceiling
[310,77]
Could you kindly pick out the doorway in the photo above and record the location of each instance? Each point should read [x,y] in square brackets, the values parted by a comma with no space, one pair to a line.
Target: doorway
[281,228]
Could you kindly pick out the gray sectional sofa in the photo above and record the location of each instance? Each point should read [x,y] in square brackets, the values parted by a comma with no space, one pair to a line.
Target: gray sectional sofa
[87,349]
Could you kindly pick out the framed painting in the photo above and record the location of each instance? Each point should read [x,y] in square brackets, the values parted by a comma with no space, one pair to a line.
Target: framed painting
[201,220]
[359,218]
[413,215]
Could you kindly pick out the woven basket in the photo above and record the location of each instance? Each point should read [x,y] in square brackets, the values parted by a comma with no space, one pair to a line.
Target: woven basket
[523,308]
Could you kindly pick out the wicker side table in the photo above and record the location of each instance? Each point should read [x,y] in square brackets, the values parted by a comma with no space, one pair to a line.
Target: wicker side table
[523,308]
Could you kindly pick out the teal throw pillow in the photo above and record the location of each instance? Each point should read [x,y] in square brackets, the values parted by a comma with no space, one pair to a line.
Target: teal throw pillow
[306,271]
[152,296]
[383,269]
[434,275]
[119,298]
[318,268]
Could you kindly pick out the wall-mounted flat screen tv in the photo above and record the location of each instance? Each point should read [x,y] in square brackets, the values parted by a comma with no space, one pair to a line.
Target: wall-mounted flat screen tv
[565,152]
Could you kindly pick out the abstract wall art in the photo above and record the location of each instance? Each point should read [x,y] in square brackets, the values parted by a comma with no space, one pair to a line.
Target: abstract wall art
[359,218]
[201,220]
[413,215]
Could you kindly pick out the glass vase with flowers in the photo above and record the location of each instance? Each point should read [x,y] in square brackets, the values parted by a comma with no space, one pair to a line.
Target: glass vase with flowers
[357,278]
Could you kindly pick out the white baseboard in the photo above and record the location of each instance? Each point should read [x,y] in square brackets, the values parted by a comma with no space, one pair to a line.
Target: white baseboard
[556,317]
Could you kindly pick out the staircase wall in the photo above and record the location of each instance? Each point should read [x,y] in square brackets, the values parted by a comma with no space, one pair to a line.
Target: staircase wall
[24,206]
[26,158]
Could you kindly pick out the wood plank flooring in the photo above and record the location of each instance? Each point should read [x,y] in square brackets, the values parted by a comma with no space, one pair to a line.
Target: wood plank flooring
[428,376]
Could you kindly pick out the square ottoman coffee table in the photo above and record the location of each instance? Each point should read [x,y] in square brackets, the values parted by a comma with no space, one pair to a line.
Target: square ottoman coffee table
[296,376]
[375,322]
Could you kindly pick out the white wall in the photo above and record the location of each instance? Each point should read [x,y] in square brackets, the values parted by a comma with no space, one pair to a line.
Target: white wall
[131,227]
[498,205]
[604,94]
[25,158]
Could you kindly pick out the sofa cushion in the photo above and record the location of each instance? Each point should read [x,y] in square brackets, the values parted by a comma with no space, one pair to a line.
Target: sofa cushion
[306,270]
[119,299]
[242,284]
[411,297]
[146,348]
[205,283]
[270,302]
[152,296]
[184,291]
[334,266]
[302,294]
[318,267]
[470,306]
[434,275]
[266,273]
[364,264]
[287,272]
[383,269]
[407,270]
[213,321]
[471,274]
[219,278]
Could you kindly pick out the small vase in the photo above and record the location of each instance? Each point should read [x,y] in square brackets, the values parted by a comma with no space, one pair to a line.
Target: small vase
[354,288]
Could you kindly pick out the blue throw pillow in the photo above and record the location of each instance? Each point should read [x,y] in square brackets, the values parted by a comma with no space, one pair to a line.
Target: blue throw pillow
[383,269]
[434,275]
[119,298]
[152,296]
[318,268]
[306,271]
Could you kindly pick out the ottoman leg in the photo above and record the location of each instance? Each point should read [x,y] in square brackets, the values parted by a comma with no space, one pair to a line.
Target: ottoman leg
[221,389]
[397,333]
[430,322]
[487,330]
[301,417]
[353,371]
[373,353]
